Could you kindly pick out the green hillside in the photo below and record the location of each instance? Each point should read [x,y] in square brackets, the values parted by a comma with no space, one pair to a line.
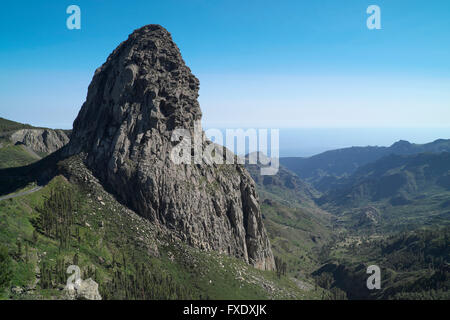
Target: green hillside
[414,265]
[296,226]
[405,192]
[392,212]
[78,222]
[15,156]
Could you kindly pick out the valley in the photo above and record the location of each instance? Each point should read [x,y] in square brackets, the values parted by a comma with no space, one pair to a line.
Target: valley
[325,240]
[107,199]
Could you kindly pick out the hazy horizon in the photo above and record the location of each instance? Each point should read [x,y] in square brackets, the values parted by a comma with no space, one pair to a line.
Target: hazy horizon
[305,142]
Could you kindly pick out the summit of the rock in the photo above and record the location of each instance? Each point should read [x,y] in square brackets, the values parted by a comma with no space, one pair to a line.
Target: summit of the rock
[146,76]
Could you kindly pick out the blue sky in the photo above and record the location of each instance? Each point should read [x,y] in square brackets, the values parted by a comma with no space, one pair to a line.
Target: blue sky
[285,64]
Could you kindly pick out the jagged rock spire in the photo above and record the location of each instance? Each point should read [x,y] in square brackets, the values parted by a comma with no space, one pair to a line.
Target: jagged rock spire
[136,99]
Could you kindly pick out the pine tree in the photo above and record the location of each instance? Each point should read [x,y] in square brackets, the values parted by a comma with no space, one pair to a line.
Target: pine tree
[19,249]
[6,271]
[26,252]
[35,236]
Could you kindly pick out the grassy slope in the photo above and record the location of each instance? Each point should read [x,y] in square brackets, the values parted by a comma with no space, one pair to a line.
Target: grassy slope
[296,235]
[295,225]
[202,275]
[8,125]
[14,156]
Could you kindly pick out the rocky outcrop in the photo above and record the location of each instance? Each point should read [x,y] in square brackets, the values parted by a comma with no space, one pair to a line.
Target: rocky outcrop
[137,98]
[40,140]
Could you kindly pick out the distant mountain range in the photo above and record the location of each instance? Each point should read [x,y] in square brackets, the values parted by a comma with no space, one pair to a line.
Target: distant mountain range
[325,169]
[403,186]
[398,178]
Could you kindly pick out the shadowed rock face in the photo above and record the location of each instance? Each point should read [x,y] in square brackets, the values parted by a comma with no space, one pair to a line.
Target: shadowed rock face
[136,99]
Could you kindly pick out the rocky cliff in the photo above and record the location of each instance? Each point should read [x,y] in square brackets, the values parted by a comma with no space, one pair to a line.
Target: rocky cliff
[137,98]
[40,140]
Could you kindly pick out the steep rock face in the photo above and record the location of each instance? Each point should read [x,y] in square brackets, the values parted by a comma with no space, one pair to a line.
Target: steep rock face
[136,99]
[41,140]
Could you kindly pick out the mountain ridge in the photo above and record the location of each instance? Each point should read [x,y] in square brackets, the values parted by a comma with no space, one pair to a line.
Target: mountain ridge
[394,176]
[325,169]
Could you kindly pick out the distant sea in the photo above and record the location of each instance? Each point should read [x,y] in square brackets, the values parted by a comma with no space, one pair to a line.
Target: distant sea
[305,142]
